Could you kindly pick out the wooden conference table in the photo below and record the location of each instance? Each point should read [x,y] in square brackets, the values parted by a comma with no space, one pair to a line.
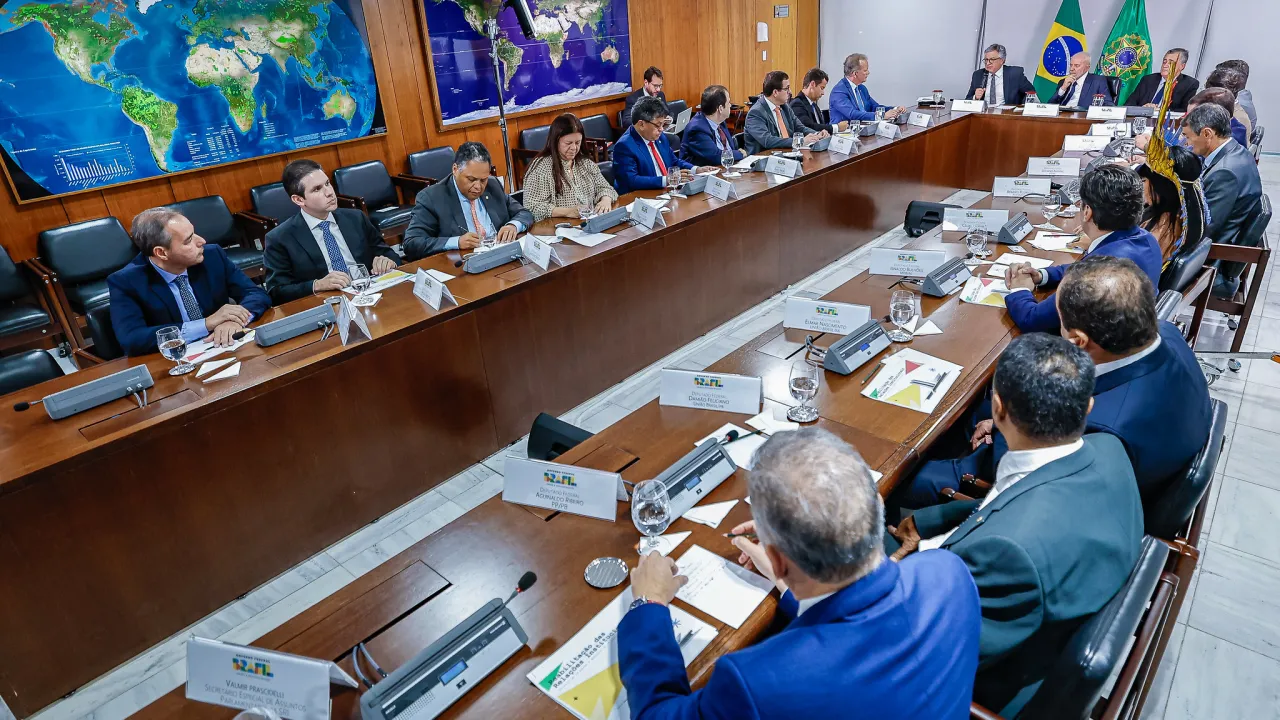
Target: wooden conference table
[121,526]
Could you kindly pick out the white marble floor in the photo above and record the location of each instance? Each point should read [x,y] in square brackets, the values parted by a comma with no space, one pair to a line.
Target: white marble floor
[1223,660]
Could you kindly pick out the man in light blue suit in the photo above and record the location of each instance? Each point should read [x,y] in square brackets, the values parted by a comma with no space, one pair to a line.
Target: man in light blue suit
[871,638]
[642,157]
[1111,199]
[705,137]
[850,99]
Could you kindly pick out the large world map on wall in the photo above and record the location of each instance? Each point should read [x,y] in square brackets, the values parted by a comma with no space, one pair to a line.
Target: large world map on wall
[100,92]
[581,51]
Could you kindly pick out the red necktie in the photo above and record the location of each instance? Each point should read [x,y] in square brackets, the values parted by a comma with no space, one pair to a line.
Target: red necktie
[657,160]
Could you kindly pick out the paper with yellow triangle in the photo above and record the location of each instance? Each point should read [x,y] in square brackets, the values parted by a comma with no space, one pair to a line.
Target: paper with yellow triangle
[595,697]
[908,397]
[913,380]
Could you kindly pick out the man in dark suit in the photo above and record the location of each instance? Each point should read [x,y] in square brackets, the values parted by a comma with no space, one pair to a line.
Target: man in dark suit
[805,105]
[177,279]
[467,207]
[1232,185]
[706,137]
[1150,89]
[997,83]
[1058,533]
[642,157]
[652,88]
[771,123]
[1080,87]
[313,251]
[893,640]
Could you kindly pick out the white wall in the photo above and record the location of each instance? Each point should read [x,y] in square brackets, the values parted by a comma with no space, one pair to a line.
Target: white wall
[1245,29]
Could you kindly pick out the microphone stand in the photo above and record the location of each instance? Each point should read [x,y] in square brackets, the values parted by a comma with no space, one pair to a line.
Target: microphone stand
[491,29]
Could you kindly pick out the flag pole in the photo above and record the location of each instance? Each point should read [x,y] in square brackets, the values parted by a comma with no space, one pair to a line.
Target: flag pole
[1204,39]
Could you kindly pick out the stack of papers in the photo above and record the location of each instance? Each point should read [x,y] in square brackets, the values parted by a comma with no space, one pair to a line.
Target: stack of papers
[391,278]
[740,450]
[710,515]
[913,380]
[720,588]
[1003,262]
[984,291]
[202,350]
[581,238]
[1053,241]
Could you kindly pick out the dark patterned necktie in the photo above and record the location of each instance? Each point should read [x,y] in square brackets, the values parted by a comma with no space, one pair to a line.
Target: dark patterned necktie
[331,244]
[189,302]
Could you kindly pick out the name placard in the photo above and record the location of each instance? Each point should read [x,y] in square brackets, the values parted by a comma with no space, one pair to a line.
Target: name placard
[1099,112]
[966,219]
[1041,110]
[539,252]
[888,130]
[905,263]
[646,215]
[827,317]
[241,677]
[711,391]
[351,324]
[1084,143]
[721,189]
[1017,187]
[430,290]
[566,488]
[968,105]
[920,119]
[782,166]
[1053,166]
[1110,129]
[844,145]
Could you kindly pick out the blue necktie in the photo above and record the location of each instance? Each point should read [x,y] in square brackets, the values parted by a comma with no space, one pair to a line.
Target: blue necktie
[331,244]
[857,95]
[189,302]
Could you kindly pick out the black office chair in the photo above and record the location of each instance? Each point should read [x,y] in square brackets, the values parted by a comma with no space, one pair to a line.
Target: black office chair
[606,169]
[75,261]
[1114,86]
[271,203]
[518,196]
[26,369]
[105,345]
[674,140]
[1255,142]
[1250,236]
[551,437]
[597,127]
[923,216]
[1168,516]
[1185,266]
[370,188]
[238,234]
[434,164]
[21,321]
[1167,304]
[741,140]
[675,107]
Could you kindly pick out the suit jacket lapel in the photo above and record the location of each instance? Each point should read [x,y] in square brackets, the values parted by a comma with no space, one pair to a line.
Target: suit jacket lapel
[160,289]
[355,242]
[307,241]
[454,206]
[642,149]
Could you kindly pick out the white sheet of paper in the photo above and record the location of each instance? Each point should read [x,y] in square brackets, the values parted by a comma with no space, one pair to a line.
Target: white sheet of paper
[212,365]
[663,544]
[202,350]
[1052,242]
[769,423]
[928,328]
[368,300]
[746,162]
[390,278]
[581,238]
[230,372]
[720,588]
[441,276]
[740,450]
[710,515]
[1035,262]
[656,203]
[1017,249]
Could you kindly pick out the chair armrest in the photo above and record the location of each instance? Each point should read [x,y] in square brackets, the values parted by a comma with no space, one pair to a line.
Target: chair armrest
[254,227]
[1236,253]
[597,149]
[411,185]
[977,712]
[949,495]
[42,273]
[87,356]
[351,202]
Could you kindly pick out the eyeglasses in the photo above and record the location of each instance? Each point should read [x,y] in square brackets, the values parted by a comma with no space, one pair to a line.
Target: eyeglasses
[989,61]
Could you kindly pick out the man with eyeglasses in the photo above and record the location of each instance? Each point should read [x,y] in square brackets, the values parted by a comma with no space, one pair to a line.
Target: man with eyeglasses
[997,83]
[850,99]
[771,123]
[642,157]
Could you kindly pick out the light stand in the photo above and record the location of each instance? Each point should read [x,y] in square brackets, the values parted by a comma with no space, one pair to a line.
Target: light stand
[491,28]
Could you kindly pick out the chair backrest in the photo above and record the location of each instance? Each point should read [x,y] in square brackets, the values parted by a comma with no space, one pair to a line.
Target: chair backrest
[674,140]
[434,163]
[675,107]
[518,196]
[26,369]
[535,138]
[598,127]
[1077,679]
[923,216]
[86,251]
[1253,235]
[741,140]
[551,437]
[272,200]
[606,169]
[1185,265]
[212,219]
[12,284]
[1171,510]
[1114,85]
[368,180]
[1258,132]
[105,345]
[1167,303]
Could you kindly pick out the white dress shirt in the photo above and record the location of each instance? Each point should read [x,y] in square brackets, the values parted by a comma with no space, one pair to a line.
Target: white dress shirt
[807,603]
[1106,367]
[314,223]
[1077,87]
[1015,465]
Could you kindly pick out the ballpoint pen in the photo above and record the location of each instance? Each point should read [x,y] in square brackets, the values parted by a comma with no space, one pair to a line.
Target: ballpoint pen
[871,374]
[747,535]
[941,377]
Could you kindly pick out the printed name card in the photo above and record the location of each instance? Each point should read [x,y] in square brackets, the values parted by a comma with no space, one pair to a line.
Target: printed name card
[646,215]
[844,145]
[721,189]
[966,219]
[565,488]
[905,263]
[1053,166]
[348,317]
[827,317]
[1110,129]
[1041,110]
[1098,112]
[430,290]
[782,166]
[1017,187]
[1084,143]
[968,106]
[711,391]
[889,130]
[241,677]
[539,252]
[920,119]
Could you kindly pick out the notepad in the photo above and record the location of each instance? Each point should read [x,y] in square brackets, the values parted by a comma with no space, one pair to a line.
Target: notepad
[720,588]
[710,515]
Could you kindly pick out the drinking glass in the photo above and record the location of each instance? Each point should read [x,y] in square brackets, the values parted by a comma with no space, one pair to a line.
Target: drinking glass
[173,346]
[1097,100]
[797,142]
[902,307]
[879,114]
[937,97]
[586,212]
[1031,98]
[1052,203]
[803,385]
[360,279]
[1139,126]
[489,241]
[650,511]
[976,242]
[673,178]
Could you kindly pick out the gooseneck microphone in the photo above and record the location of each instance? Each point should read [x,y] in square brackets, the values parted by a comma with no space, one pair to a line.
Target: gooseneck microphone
[526,581]
[19,407]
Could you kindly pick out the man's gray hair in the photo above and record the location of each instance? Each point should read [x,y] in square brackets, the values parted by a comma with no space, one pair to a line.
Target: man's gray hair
[853,62]
[1085,55]
[648,109]
[814,500]
[471,152]
[150,229]
[1183,55]
[1209,115]
[998,48]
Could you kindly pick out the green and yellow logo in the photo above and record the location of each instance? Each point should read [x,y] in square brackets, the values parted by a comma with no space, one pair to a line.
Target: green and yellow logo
[559,478]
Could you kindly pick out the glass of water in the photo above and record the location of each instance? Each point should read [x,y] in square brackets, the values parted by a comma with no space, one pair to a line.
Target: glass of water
[1050,206]
[902,307]
[650,511]
[489,241]
[937,97]
[797,142]
[360,279]
[803,384]
[673,178]
[173,346]
[879,114]
[976,242]
[586,212]
[1139,126]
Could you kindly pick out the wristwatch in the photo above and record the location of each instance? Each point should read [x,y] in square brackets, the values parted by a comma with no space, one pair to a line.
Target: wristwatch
[642,600]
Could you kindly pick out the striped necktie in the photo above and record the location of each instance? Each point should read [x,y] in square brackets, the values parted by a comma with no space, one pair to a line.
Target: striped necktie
[189,302]
[336,262]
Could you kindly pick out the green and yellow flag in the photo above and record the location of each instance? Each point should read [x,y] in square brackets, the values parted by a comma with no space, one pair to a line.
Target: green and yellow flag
[1066,38]
[1127,54]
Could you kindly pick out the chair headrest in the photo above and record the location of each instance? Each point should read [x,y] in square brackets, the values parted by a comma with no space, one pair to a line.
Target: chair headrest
[26,369]
[86,251]
[212,219]
[272,200]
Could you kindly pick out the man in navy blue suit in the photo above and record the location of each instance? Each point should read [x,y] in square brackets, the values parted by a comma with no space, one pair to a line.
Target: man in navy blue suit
[850,99]
[706,137]
[1111,198]
[1081,87]
[870,637]
[177,279]
[642,157]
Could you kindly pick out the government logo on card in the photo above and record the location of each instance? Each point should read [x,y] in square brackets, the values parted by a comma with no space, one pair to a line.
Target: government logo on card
[251,666]
[823,310]
[907,257]
[559,478]
[707,381]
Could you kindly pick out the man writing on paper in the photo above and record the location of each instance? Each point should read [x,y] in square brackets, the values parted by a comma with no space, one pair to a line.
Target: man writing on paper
[805,105]
[1150,89]
[850,99]
[1080,87]
[463,210]
[642,157]
[1057,535]
[997,83]
[771,123]
[1112,201]
[893,640]
[314,250]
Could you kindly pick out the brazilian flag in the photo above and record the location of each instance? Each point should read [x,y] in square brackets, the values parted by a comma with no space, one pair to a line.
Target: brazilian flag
[1066,38]
[1127,54]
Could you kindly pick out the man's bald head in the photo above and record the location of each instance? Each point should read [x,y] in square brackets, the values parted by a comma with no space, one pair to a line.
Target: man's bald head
[1111,301]
[1080,64]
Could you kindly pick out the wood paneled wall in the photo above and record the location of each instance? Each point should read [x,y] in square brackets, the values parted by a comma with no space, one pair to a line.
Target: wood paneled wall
[695,42]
